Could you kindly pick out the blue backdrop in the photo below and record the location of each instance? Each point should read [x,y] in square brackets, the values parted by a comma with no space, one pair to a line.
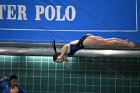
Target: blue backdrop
[66,20]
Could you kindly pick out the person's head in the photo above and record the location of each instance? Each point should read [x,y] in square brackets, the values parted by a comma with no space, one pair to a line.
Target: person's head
[13,80]
[56,55]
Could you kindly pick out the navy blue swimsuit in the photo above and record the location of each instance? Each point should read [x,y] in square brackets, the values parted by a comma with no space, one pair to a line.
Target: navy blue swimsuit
[75,47]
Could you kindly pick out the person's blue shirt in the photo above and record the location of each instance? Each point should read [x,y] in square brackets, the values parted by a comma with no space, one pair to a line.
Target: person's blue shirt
[5,87]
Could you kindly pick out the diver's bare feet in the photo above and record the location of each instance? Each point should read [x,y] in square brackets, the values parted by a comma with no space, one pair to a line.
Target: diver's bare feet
[131,44]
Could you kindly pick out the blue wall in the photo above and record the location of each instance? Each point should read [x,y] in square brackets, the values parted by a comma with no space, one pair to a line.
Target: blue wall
[107,18]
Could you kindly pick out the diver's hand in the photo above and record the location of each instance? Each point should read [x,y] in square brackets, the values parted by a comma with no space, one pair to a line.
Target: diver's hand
[61,59]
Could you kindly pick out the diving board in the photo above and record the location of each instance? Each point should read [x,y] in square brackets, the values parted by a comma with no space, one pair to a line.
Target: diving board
[80,53]
[46,49]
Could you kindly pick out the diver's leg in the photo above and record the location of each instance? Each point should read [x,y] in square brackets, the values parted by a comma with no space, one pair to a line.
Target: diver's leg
[104,42]
[121,40]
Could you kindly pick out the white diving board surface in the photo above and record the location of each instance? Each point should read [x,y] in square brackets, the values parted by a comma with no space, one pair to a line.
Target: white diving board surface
[46,49]
[80,53]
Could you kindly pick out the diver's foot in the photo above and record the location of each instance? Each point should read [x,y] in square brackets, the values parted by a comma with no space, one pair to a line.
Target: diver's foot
[131,44]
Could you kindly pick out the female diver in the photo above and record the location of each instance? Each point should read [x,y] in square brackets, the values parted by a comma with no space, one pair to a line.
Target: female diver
[87,41]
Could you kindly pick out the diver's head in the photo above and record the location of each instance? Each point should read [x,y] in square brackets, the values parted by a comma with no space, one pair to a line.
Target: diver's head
[56,55]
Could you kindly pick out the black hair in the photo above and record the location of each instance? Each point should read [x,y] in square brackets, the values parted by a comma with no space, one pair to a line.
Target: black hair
[13,77]
[56,54]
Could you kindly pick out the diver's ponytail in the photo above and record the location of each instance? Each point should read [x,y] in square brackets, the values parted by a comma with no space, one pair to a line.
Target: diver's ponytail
[56,54]
[54,46]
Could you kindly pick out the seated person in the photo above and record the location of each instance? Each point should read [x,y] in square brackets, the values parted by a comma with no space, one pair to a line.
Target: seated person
[10,86]
[87,41]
